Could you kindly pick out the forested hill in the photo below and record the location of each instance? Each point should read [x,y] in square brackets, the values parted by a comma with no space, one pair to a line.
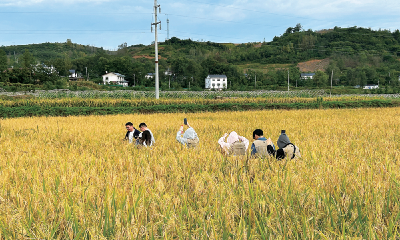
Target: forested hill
[296,46]
[47,51]
[357,56]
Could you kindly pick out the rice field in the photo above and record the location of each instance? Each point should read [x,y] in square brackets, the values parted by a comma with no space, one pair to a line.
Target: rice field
[110,102]
[74,178]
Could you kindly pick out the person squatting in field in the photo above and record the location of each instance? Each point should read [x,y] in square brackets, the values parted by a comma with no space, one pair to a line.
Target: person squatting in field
[235,145]
[146,138]
[286,148]
[261,146]
[132,133]
[189,138]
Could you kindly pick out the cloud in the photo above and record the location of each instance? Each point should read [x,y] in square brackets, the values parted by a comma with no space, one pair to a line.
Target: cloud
[25,3]
[313,9]
[322,8]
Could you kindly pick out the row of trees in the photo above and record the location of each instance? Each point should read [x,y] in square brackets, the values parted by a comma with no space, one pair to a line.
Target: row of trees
[29,73]
[186,71]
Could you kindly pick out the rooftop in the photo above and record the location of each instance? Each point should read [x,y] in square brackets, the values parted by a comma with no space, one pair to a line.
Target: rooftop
[307,74]
[216,76]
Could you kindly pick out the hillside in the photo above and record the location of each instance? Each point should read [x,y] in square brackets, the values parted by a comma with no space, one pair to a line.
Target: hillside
[358,56]
[314,65]
[47,51]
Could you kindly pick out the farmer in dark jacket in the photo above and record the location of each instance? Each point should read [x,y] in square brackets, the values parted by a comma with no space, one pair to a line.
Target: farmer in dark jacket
[132,134]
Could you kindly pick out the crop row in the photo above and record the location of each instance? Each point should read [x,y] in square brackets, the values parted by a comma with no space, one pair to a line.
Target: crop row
[110,102]
[129,94]
[22,111]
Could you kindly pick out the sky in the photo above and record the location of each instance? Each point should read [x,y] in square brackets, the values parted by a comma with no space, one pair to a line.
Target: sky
[109,23]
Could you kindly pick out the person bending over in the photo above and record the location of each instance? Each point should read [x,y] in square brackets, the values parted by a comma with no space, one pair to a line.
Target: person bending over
[145,139]
[286,148]
[143,128]
[235,145]
[189,138]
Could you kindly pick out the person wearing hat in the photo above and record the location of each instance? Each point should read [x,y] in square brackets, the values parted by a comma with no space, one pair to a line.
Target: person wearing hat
[189,137]
[283,140]
[286,148]
[235,145]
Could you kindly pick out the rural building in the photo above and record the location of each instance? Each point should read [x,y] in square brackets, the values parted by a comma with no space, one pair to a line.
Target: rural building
[114,79]
[306,76]
[150,75]
[74,76]
[216,82]
[371,86]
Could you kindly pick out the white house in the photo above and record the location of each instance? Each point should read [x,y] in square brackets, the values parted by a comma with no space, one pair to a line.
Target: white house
[73,74]
[371,86]
[305,76]
[114,79]
[216,82]
[150,75]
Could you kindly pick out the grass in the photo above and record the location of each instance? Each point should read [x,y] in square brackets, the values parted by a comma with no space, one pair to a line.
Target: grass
[263,67]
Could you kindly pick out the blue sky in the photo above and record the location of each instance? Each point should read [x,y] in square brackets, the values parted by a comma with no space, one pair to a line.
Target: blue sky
[108,23]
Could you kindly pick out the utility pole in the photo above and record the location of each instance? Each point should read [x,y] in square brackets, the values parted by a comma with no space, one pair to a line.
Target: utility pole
[86,75]
[288,80]
[156,7]
[255,80]
[167,28]
[134,78]
[330,94]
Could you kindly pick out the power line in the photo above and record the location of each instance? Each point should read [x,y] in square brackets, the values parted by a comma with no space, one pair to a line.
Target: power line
[58,32]
[78,13]
[205,35]
[218,20]
[66,30]
[251,10]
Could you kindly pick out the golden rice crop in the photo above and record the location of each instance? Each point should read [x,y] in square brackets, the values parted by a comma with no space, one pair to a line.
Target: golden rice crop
[73,178]
[110,102]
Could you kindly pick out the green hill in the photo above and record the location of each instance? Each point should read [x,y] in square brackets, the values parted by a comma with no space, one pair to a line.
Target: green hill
[357,56]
